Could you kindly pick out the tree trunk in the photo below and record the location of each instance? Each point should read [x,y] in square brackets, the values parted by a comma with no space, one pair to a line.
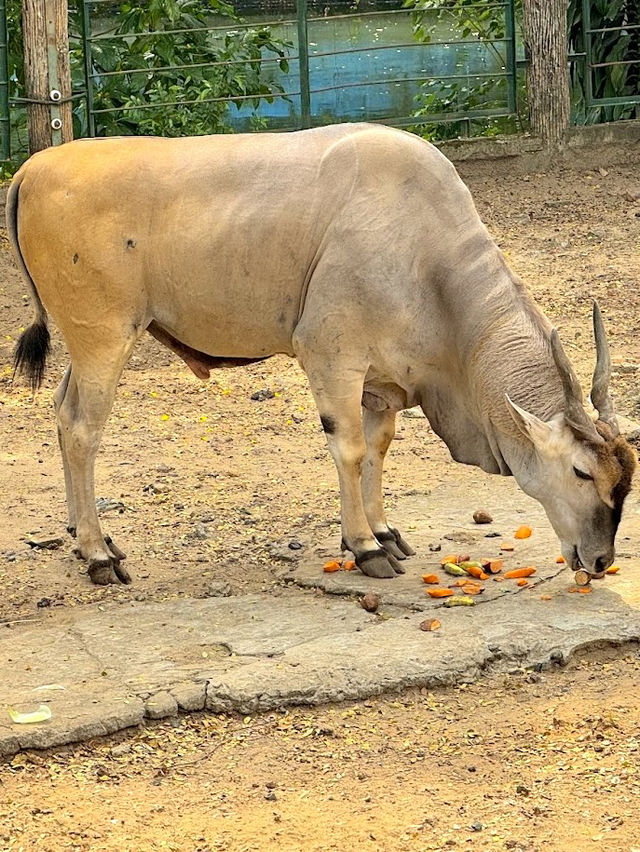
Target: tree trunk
[46,42]
[544,27]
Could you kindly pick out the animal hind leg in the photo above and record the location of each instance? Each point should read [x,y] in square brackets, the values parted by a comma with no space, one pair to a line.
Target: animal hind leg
[82,414]
[67,386]
[379,429]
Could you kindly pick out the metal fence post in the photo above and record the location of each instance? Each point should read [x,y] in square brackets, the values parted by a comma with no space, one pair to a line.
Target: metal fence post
[588,49]
[510,33]
[303,54]
[5,122]
[86,55]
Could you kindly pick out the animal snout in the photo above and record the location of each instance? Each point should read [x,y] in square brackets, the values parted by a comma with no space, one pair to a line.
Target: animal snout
[603,562]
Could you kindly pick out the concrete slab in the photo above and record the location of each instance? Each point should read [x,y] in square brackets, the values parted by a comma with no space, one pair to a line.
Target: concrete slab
[118,664]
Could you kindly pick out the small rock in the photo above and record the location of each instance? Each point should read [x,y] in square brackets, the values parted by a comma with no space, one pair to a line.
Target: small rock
[282,554]
[106,504]
[416,413]
[493,535]
[200,531]
[295,545]
[603,172]
[524,791]
[270,796]
[271,785]
[11,556]
[435,548]
[261,395]
[218,589]
[482,517]
[153,488]
[120,750]
[632,195]
[471,769]
[43,602]
[370,602]
[476,826]
[45,542]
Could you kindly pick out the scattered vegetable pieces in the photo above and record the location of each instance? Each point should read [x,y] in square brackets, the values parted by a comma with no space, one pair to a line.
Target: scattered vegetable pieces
[613,569]
[493,566]
[460,600]
[330,567]
[585,590]
[453,558]
[454,570]
[477,572]
[523,532]
[519,573]
[468,589]
[439,593]
[522,582]
[560,560]
[42,714]
[349,565]
[430,578]
[430,624]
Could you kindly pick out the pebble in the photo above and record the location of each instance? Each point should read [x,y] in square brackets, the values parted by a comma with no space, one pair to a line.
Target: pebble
[45,542]
[370,602]
[482,517]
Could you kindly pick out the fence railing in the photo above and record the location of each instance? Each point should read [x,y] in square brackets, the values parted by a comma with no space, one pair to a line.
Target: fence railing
[614,59]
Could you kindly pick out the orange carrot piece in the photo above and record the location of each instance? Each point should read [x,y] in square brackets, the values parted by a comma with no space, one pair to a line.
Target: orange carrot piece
[560,560]
[506,546]
[439,593]
[494,566]
[452,557]
[476,572]
[468,589]
[349,565]
[522,583]
[331,566]
[585,590]
[574,588]
[498,579]
[613,569]
[460,583]
[523,532]
[430,578]
[517,573]
[545,597]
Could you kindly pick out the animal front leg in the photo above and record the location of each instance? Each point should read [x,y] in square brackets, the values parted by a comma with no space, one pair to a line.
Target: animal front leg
[379,429]
[342,424]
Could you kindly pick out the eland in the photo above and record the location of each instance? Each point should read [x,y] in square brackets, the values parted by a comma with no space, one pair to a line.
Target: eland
[356,249]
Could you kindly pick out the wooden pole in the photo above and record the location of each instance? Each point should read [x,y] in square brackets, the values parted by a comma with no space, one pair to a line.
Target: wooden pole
[46,72]
[544,27]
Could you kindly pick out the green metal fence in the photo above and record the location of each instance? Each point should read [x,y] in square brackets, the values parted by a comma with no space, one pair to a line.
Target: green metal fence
[305,86]
[611,62]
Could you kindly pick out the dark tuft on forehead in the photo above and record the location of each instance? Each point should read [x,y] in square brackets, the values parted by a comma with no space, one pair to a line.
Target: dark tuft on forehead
[618,459]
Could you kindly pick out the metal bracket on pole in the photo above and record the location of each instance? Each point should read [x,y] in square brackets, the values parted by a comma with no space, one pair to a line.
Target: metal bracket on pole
[55,97]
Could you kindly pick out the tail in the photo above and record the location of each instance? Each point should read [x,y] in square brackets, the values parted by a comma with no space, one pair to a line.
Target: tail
[34,344]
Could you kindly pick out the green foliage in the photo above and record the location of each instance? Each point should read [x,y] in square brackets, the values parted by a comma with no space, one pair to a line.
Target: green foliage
[466,20]
[144,64]
[610,46]
[192,69]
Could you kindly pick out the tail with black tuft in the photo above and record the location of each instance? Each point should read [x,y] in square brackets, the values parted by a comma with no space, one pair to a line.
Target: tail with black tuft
[30,354]
[33,347]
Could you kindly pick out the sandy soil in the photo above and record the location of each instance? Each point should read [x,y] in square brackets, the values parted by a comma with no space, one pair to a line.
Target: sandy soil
[211,486]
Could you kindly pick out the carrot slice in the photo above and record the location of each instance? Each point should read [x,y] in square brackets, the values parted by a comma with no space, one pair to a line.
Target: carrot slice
[545,597]
[517,573]
[585,590]
[472,590]
[506,546]
[349,565]
[430,578]
[330,567]
[439,593]
[493,566]
[476,572]
[522,583]
[523,532]
[452,557]
[560,560]
[613,569]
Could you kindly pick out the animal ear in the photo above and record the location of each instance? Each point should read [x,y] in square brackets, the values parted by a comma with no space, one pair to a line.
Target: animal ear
[535,429]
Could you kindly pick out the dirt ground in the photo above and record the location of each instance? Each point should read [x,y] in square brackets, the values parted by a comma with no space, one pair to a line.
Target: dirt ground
[206,484]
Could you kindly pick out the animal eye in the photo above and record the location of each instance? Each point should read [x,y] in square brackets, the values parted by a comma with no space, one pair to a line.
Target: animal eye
[581,474]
